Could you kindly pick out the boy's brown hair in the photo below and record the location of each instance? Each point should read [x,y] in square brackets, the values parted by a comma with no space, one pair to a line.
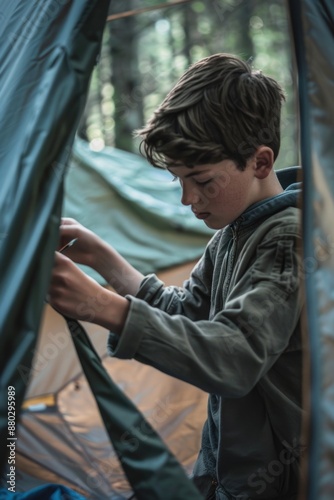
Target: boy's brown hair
[220,108]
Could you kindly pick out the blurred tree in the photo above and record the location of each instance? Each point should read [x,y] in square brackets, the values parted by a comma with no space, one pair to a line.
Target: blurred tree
[125,76]
[245,46]
[190,28]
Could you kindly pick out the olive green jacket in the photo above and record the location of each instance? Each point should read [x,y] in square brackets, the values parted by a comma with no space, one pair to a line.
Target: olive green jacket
[233,330]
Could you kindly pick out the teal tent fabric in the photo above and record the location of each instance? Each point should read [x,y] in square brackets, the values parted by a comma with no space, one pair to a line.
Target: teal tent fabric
[134,207]
[313,30]
[47,52]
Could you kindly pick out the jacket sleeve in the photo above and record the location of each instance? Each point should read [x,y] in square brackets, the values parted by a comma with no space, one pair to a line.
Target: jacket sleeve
[230,353]
[193,299]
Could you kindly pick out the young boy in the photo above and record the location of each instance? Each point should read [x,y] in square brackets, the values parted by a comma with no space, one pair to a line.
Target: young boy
[233,330]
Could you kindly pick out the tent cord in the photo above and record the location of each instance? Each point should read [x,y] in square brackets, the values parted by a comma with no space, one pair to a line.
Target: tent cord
[129,13]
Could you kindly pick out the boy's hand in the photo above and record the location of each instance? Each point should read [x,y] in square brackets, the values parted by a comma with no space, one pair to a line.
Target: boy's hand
[76,295]
[84,250]
[92,251]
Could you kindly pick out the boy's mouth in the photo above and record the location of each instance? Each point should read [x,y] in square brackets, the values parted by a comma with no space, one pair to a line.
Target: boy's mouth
[201,215]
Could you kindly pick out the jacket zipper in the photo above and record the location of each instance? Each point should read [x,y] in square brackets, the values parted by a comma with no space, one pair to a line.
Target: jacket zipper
[211,494]
[231,256]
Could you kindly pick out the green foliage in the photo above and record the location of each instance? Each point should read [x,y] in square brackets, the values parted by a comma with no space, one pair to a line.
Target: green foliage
[143,56]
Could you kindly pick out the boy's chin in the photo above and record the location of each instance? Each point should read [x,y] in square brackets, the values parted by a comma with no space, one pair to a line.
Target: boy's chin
[213,225]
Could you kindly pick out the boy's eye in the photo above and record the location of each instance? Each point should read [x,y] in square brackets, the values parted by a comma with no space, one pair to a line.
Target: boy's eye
[203,183]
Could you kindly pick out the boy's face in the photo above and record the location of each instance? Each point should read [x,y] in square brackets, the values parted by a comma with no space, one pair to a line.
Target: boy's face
[217,193]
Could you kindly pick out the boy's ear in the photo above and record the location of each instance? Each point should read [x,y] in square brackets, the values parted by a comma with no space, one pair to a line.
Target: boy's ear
[263,162]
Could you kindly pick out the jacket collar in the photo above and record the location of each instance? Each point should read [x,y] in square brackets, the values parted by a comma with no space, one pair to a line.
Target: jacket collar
[269,206]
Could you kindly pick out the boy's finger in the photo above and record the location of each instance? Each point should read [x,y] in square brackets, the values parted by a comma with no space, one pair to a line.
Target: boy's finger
[67,221]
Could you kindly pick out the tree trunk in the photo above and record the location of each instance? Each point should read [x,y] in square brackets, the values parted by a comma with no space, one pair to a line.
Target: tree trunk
[125,76]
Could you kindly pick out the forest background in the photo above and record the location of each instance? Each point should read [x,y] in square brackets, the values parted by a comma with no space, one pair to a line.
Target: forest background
[144,54]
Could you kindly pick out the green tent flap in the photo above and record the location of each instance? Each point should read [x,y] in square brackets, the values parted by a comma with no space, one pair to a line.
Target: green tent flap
[150,467]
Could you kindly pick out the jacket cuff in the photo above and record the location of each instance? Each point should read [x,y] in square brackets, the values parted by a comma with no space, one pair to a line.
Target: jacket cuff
[125,346]
[149,287]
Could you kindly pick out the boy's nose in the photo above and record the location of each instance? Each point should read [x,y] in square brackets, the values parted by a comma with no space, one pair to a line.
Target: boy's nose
[190,195]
